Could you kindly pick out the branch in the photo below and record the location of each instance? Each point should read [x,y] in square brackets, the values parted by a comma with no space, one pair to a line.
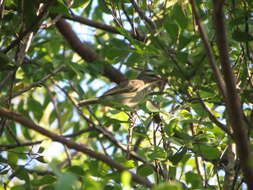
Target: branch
[214,119]
[235,112]
[86,52]
[10,146]
[210,56]
[143,16]
[71,144]
[92,23]
[101,26]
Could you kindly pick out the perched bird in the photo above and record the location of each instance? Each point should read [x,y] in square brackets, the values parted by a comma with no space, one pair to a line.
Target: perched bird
[128,93]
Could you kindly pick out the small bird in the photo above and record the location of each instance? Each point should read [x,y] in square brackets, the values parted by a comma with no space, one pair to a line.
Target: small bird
[128,93]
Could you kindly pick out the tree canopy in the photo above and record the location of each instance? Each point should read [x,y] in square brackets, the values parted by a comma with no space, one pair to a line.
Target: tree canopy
[193,132]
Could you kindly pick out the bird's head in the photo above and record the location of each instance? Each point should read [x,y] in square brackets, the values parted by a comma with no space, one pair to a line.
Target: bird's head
[148,76]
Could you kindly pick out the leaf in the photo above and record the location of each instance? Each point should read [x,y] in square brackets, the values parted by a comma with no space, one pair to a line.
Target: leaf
[194,179]
[172,185]
[129,164]
[5,62]
[60,8]
[158,154]
[151,107]
[145,170]
[180,17]
[172,28]
[41,159]
[12,158]
[35,107]
[19,187]
[169,128]
[41,149]
[126,179]
[65,181]
[77,170]
[80,4]
[242,36]
[29,12]
[45,180]
[208,152]
[199,110]
[21,173]
[178,156]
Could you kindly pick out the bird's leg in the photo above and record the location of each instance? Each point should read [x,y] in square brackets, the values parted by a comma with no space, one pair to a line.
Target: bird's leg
[132,120]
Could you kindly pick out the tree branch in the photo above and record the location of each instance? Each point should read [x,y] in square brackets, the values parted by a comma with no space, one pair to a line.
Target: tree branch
[86,52]
[92,23]
[101,26]
[210,56]
[143,16]
[71,144]
[234,108]
[11,146]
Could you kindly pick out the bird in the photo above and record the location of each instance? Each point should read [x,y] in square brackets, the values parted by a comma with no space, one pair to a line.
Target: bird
[128,93]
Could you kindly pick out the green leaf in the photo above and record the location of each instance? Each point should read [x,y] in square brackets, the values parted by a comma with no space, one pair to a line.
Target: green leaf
[129,164]
[80,4]
[208,152]
[242,36]
[60,8]
[178,156]
[41,159]
[21,173]
[172,185]
[5,62]
[12,158]
[158,154]
[29,12]
[145,170]
[199,110]
[180,17]
[194,179]
[19,187]
[65,181]
[96,68]
[35,107]
[77,170]
[172,28]
[126,179]
[151,107]
[41,149]
[45,180]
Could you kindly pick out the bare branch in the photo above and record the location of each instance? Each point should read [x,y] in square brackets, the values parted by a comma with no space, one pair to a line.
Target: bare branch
[234,105]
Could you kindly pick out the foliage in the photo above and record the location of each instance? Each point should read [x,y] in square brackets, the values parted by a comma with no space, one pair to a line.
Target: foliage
[182,138]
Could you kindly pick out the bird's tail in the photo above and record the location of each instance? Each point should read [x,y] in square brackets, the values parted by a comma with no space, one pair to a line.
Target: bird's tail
[86,102]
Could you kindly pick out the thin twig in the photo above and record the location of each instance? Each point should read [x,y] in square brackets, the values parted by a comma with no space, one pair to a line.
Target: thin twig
[143,16]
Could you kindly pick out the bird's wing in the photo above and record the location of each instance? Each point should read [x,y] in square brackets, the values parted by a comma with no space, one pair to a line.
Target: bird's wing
[125,86]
